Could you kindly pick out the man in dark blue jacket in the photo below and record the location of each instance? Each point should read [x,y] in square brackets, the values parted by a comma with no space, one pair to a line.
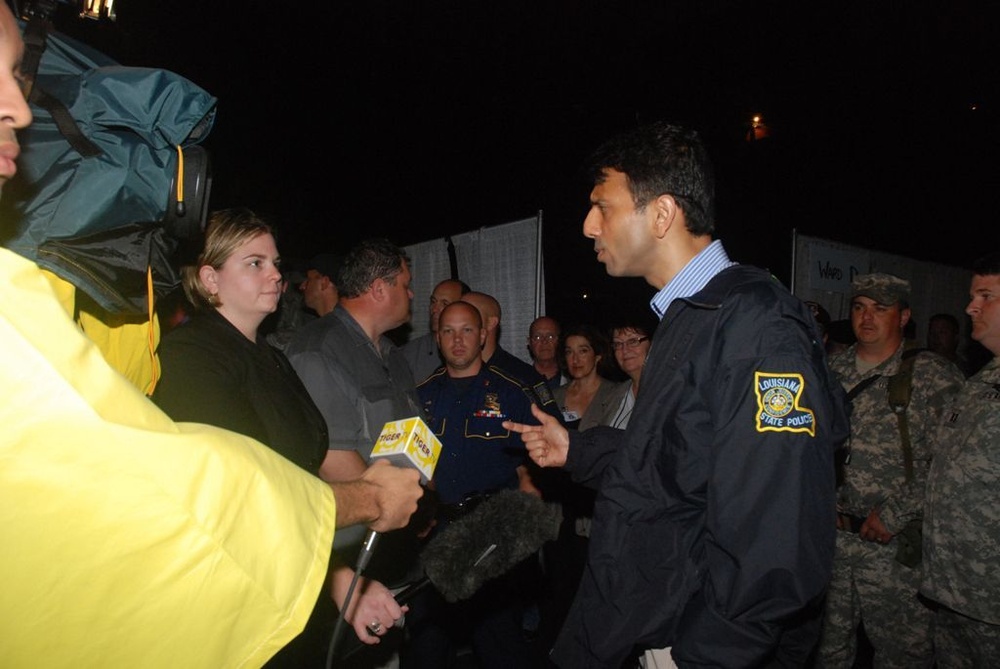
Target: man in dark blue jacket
[465,403]
[711,531]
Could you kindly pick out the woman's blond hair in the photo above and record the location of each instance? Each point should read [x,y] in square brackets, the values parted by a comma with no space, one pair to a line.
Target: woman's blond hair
[227,230]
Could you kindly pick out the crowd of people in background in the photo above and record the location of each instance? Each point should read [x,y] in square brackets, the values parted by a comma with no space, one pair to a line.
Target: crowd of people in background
[586,375]
[742,482]
[581,375]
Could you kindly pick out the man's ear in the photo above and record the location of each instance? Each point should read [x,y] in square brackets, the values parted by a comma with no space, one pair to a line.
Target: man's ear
[664,212]
[378,290]
[492,323]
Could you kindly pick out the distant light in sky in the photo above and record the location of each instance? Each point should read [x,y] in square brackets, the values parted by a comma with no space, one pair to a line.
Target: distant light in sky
[758,129]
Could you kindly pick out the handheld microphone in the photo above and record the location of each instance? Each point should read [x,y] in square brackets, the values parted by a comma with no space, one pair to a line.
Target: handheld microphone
[503,530]
[405,443]
[408,443]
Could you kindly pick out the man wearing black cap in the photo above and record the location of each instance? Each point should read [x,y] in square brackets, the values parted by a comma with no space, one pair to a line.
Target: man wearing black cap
[319,289]
[881,484]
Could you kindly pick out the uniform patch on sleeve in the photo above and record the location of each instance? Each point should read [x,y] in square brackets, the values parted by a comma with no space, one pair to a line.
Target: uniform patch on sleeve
[544,393]
[778,407]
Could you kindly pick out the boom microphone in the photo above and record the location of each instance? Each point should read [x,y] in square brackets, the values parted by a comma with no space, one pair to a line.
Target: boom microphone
[489,541]
[492,539]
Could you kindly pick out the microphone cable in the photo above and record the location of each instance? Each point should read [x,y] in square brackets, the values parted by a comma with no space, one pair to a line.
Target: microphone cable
[364,557]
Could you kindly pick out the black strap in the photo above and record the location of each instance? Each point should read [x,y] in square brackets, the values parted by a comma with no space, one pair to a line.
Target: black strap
[858,389]
[900,389]
[65,122]
[35,34]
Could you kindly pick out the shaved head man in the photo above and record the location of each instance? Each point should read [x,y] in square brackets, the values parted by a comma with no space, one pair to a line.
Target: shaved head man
[421,353]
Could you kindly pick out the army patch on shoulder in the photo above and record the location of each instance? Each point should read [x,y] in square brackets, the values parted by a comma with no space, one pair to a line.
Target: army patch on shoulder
[778,407]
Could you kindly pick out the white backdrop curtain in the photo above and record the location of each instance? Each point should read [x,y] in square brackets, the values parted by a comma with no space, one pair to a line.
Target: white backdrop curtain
[429,264]
[504,261]
[822,270]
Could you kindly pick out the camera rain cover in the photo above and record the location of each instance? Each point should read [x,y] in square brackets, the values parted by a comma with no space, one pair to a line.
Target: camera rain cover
[92,210]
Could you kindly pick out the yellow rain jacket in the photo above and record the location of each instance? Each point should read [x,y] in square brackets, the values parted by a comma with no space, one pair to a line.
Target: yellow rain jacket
[129,540]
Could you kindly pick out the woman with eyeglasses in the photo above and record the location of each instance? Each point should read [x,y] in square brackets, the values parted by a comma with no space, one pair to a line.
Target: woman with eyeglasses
[630,340]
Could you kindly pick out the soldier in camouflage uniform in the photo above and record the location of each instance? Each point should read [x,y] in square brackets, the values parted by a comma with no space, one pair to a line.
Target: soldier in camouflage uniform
[876,497]
[962,510]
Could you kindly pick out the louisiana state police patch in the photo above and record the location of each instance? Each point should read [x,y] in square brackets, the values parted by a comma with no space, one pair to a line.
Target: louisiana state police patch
[778,407]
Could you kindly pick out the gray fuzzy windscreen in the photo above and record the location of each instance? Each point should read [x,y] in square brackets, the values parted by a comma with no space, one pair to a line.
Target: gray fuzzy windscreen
[497,535]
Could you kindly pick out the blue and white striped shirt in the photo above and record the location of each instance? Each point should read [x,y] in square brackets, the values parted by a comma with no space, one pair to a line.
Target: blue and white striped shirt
[695,276]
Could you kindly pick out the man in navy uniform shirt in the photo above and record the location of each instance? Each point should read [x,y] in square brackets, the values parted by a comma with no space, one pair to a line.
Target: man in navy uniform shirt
[465,402]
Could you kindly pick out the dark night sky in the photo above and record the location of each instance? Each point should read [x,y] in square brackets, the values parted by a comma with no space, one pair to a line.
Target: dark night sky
[411,120]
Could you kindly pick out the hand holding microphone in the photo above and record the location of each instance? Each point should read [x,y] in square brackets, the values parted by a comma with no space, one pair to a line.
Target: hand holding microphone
[396,492]
[497,535]
[414,450]
[373,612]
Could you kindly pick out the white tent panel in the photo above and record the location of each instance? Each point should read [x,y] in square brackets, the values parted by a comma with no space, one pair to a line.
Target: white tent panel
[504,261]
[822,271]
[429,265]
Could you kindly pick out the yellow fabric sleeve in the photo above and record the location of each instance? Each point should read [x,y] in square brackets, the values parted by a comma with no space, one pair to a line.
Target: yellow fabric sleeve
[127,343]
[130,540]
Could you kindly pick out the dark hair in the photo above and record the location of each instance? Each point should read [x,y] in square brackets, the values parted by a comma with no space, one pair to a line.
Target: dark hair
[660,159]
[821,315]
[841,332]
[327,264]
[644,324]
[987,265]
[947,318]
[606,366]
[369,260]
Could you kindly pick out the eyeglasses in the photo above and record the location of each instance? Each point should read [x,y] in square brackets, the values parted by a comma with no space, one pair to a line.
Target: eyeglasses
[628,343]
[544,337]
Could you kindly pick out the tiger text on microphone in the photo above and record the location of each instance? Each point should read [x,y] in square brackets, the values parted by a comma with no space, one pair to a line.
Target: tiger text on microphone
[408,443]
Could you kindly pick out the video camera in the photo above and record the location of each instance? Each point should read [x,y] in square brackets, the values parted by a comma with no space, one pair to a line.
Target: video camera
[187,203]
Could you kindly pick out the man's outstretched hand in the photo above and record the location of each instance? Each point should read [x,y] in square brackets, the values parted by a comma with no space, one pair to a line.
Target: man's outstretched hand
[548,443]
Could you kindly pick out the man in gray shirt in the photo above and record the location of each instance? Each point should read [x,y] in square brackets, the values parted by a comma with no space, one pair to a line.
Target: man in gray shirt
[359,380]
[421,352]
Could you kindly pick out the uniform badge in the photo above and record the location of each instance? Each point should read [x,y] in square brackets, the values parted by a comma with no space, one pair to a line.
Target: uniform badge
[544,393]
[778,407]
[491,407]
